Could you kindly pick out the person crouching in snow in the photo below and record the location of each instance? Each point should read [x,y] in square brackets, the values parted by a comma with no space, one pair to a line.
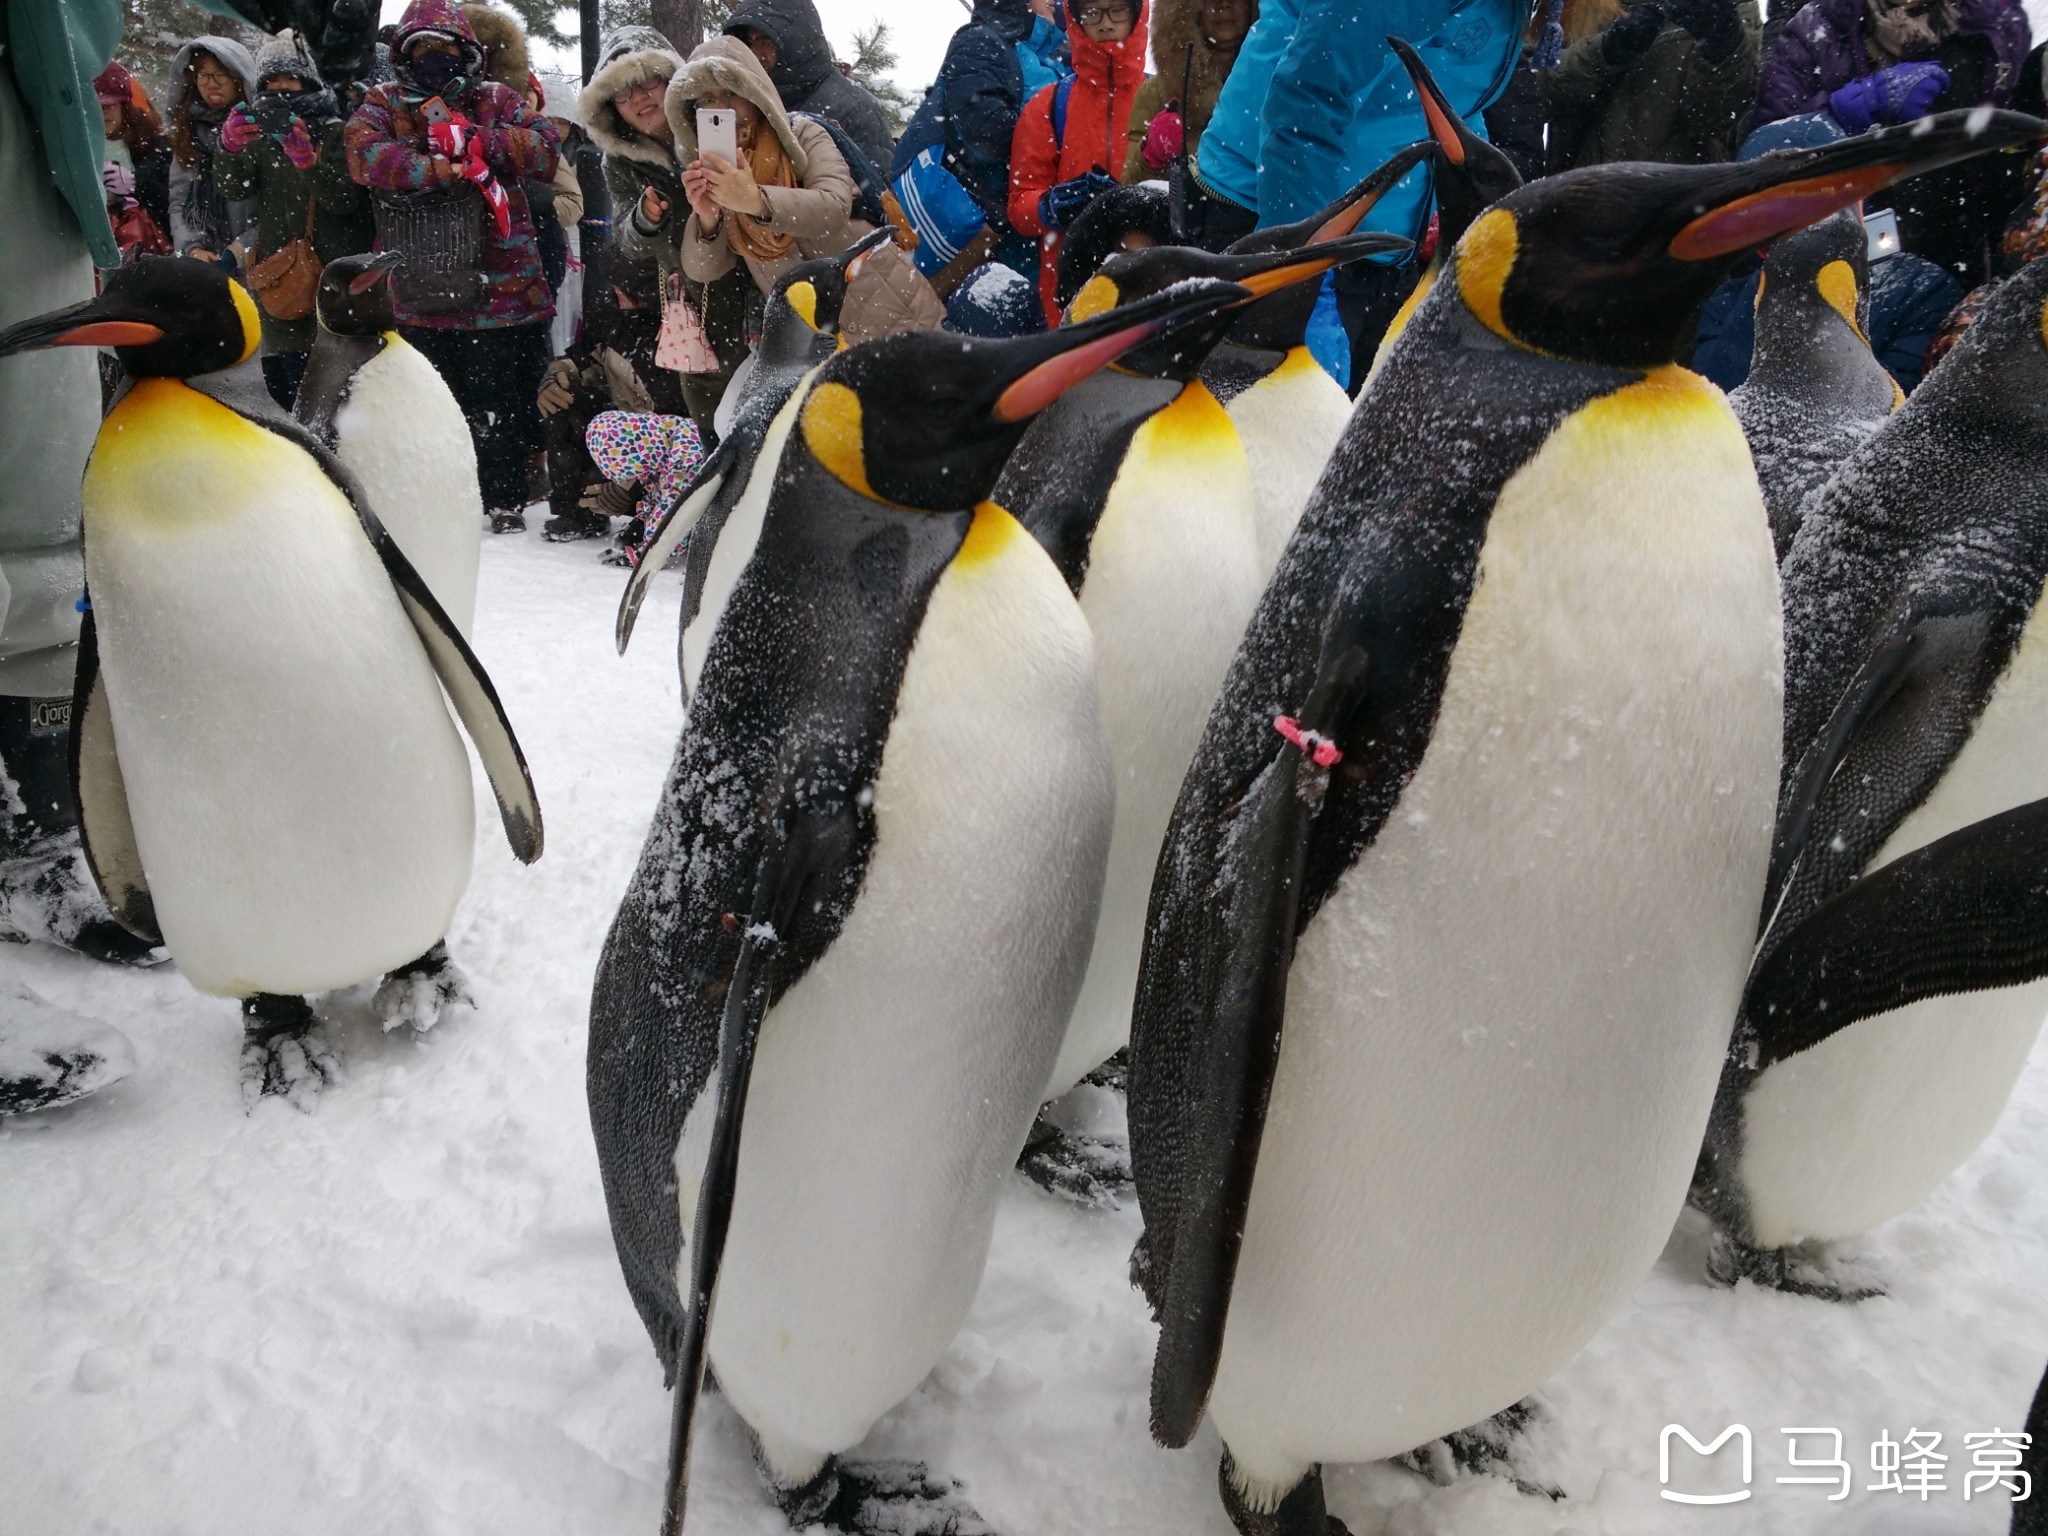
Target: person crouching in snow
[659,454]
[1069,134]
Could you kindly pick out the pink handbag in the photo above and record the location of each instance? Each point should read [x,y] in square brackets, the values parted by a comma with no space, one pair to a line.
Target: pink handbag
[681,345]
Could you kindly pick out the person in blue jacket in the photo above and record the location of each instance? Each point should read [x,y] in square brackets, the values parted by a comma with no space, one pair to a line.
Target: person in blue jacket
[1317,99]
[951,172]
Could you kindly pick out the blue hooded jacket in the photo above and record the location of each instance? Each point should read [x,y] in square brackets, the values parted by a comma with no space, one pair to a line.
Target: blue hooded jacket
[1316,100]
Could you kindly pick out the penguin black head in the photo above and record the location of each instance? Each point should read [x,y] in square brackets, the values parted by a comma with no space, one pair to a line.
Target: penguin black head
[1471,175]
[165,317]
[926,419]
[1610,264]
[355,297]
[1132,276]
[814,291]
[1827,265]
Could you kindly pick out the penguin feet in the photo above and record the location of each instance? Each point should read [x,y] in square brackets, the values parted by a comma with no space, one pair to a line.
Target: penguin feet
[420,994]
[1802,1271]
[49,1057]
[1088,1170]
[878,1498]
[283,1052]
[1300,1513]
[1491,1448]
[46,894]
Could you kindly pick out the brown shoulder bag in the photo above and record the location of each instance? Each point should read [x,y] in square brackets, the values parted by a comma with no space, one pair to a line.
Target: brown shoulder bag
[286,281]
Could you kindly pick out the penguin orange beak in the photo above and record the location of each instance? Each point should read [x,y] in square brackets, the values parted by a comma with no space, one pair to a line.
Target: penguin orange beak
[377,270]
[1284,270]
[1079,350]
[1761,200]
[1445,126]
[81,325]
[857,254]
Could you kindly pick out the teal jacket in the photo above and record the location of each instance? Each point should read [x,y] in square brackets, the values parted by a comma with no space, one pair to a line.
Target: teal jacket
[1316,100]
[55,49]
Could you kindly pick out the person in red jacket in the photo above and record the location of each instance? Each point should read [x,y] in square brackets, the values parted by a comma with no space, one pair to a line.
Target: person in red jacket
[1070,135]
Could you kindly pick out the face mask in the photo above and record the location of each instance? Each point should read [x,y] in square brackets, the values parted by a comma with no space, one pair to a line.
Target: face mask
[435,73]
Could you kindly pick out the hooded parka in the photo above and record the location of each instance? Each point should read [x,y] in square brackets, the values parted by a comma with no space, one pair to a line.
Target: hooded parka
[817,213]
[200,215]
[1183,56]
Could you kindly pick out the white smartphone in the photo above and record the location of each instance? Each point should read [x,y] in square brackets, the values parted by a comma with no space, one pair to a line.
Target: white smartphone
[718,134]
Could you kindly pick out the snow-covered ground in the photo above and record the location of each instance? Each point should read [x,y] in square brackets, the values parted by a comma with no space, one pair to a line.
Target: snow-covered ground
[402,1314]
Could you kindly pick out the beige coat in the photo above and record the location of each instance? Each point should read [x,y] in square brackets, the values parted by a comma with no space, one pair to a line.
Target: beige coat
[888,295]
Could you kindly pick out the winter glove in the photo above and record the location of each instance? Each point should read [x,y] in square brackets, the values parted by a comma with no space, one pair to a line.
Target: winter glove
[1896,95]
[451,138]
[298,145]
[611,499]
[1164,138]
[557,387]
[118,180]
[1060,205]
[1629,38]
[1713,22]
[239,131]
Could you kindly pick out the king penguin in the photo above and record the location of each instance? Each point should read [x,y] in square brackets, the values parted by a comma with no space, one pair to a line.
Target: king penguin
[267,777]
[887,815]
[1916,706]
[1815,392]
[1467,175]
[1460,891]
[1137,484]
[799,330]
[373,398]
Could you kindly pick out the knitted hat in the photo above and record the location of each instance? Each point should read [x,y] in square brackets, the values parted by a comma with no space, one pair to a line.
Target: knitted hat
[114,86]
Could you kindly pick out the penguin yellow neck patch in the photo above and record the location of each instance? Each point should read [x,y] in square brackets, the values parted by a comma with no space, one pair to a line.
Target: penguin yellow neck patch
[992,532]
[832,431]
[168,456]
[803,298]
[1097,297]
[1486,258]
[252,323]
[1836,283]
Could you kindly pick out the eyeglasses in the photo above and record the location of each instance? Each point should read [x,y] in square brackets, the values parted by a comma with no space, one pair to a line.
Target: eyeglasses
[644,88]
[1096,14]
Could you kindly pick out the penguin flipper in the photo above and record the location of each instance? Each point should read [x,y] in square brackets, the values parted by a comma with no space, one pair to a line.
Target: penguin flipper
[1906,714]
[675,524]
[105,830]
[810,845]
[469,689]
[1966,913]
[1260,885]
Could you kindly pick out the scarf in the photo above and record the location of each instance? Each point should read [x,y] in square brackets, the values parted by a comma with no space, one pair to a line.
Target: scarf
[1897,33]
[771,168]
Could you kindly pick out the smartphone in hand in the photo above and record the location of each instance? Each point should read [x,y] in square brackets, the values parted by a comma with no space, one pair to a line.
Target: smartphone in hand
[435,110]
[718,133]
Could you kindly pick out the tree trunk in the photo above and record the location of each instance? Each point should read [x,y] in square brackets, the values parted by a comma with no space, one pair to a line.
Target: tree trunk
[681,22]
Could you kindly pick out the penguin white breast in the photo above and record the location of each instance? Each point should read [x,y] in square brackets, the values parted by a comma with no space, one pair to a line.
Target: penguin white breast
[1288,422]
[1174,573]
[1866,1124]
[894,1084]
[403,436]
[1505,1023]
[300,796]
[738,537]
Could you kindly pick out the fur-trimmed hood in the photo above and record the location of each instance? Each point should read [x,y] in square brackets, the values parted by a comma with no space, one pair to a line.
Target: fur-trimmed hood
[628,56]
[727,64]
[1175,24]
[504,45]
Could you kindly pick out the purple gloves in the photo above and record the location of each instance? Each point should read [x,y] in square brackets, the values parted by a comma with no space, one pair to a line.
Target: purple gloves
[1896,95]
[298,145]
[239,131]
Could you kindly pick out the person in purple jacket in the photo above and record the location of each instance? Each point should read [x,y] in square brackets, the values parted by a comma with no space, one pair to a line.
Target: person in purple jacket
[1868,63]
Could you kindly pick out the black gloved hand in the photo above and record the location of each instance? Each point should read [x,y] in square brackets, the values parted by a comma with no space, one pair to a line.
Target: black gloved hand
[1629,38]
[1714,22]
